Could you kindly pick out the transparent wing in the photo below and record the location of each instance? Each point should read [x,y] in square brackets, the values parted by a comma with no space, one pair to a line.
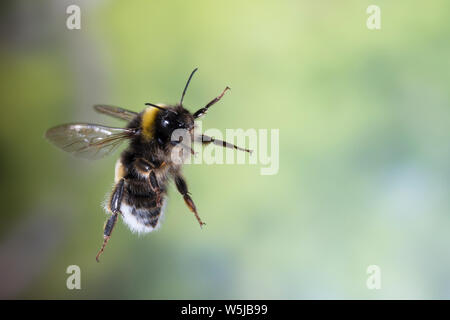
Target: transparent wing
[116,112]
[86,140]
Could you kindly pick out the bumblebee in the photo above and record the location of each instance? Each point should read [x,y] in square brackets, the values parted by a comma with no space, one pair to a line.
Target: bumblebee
[145,167]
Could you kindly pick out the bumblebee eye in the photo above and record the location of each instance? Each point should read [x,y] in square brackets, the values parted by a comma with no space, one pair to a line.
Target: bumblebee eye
[165,123]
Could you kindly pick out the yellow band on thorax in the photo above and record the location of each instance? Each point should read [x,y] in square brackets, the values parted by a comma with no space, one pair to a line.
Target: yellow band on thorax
[148,120]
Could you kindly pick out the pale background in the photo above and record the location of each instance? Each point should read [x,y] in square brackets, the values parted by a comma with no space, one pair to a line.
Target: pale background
[364,148]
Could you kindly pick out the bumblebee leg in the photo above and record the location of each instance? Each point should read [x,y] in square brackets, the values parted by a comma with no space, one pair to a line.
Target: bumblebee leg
[143,165]
[201,112]
[146,167]
[155,187]
[204,139]
[116,200]
[182,188]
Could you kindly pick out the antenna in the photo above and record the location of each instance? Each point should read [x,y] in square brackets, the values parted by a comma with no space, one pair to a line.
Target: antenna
[187,84]
[160,108]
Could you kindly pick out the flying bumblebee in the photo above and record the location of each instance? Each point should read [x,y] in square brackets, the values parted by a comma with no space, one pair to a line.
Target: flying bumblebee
[144,168]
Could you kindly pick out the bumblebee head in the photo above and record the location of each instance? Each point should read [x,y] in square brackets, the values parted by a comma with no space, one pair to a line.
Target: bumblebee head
[160,122]
[169,119]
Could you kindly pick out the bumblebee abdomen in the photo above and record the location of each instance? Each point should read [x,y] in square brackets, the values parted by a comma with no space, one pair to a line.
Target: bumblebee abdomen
[142,209]
[143,220]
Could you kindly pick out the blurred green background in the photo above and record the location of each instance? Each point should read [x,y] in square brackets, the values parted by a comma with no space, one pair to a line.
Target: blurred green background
[364,148]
